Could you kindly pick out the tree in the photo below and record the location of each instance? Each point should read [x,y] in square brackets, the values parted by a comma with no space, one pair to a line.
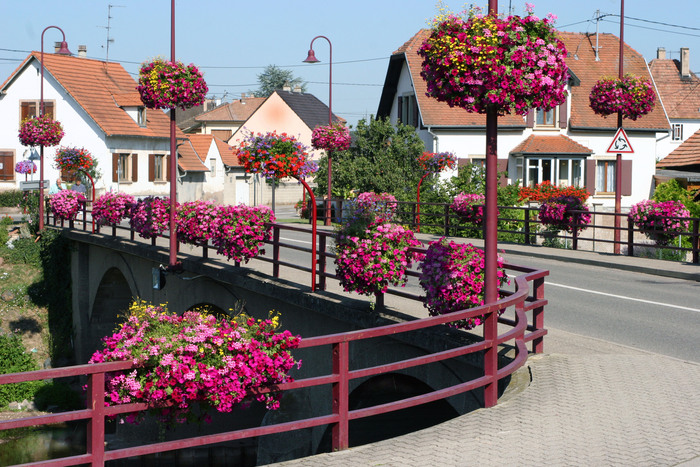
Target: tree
[383,158]
[274,78]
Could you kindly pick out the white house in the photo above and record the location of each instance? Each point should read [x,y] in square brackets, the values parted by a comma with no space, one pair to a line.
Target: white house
[566,146]
[101,111]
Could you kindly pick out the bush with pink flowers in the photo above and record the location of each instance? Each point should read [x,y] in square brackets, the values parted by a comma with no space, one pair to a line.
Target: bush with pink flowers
[66,203]
[567,213]
[469,207]
[195,359]
[242,231]
[660,221]
[452,275]
[150,217]
[111,208]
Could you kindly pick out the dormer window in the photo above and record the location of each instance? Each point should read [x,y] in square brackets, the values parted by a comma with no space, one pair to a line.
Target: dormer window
[141,117]
[545,118]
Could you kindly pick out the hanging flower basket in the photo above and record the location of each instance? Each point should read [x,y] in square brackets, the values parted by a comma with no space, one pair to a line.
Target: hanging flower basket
[73,159]
[452,275]
[436,162]
[165,84]
[150,217]
[25,167]
[660,221]
[40,131]
[195,359]
[567,213]
[485,62]
[631,95]
[331,137]
[469,207]
[112,208]
[242,231]
[66,203]
[275,156]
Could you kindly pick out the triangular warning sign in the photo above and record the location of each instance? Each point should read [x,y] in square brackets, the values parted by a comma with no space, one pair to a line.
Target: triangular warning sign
[620,144]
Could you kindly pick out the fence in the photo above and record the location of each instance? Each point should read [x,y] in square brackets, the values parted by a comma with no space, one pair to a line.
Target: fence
[526,325]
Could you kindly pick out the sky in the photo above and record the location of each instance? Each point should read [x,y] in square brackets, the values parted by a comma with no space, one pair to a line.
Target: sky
[232,42]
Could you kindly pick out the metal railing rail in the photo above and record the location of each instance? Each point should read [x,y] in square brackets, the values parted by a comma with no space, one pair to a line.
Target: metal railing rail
[521,300]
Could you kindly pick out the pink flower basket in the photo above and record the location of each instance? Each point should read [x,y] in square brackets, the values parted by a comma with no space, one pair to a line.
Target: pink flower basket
[66,203]
[165,84]
[40,131]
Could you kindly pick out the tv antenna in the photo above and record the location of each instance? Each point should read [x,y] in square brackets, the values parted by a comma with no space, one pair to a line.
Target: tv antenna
[108,27]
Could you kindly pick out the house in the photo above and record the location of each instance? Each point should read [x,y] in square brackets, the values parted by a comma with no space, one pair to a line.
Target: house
[679,90]
[683,164]
[224,120]
[284,111]
[226,180]
[565,146]
[101,111]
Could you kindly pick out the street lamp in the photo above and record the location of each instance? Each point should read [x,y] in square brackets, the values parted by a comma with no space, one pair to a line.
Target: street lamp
[311,58]
[63,50]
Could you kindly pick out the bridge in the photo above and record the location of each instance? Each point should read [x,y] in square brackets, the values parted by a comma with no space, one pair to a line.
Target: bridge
[359,366]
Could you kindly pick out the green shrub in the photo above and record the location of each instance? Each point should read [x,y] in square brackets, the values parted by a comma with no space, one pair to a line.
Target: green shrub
[22,251]
[59,394]
[15,359]
[11,198]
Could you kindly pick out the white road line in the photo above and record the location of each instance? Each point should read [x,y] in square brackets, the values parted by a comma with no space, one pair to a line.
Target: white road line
[622,297]
[294,240]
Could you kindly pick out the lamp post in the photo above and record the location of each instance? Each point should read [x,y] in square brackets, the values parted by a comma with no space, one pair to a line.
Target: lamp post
[618,159]
[311,58]
[173,155]
[63,50]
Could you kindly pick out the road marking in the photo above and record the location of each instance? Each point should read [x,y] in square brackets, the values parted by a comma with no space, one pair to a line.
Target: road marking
[294,240]
[623,297]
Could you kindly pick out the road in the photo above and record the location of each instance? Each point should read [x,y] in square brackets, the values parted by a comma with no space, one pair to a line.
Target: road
[643,311]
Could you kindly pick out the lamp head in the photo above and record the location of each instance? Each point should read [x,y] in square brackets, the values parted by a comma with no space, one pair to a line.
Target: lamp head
[63,50]
[311,58]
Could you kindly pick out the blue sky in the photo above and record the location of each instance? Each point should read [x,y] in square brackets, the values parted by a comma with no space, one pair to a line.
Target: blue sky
[233,41]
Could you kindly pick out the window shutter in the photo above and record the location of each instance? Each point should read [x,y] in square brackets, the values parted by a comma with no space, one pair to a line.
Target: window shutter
[167,167]
[115,168]
[415,111]
[48,110]
[399,112]
[7,172]
[562,114]
[530,119]
[590,176]
[151,167]
[502,166]
[134,167]
[626,177]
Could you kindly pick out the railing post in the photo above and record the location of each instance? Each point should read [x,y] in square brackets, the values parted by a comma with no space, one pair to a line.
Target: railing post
[527,225]
[574,240]
[379,299]
[322,262]
[538,314]
[114,231]
[96,424]
[85,216]
[275,251]
[447,220]
[205,249]
[340,430]
[695,241]
[491,359]
[630,237]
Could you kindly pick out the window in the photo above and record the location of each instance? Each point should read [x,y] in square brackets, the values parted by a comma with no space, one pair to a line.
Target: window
[124,167]
[408,110]
[605,176]
[557,171]
[212,167]
[545,118]
[519,168]
[677,132]
[141,116]
[7,166]
[158,168]
[30,109]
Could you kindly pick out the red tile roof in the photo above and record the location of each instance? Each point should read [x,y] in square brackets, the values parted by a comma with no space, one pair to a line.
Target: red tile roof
[101,88]
[559,144]
[687,153]
[681,96]
[436,113]
[236,111]
[201,144]
[229,154]
[588,70]
[188,159]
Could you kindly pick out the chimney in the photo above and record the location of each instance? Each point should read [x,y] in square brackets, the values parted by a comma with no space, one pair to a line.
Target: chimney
[242,98]
[661,53]
[287,87]
[297,89]
[56,46]
[685,62]
[82,51]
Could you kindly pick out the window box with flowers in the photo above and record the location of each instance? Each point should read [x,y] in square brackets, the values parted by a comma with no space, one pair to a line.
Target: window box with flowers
[486,62]
[452,276]
[195,359]
[40,131]
[66,203]
[660,221]
[631,95]
[167,85]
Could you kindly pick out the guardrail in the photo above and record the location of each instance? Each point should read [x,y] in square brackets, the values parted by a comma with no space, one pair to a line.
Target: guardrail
[527,296]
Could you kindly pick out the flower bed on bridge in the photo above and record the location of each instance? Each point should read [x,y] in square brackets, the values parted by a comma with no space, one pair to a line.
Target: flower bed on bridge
[111,208]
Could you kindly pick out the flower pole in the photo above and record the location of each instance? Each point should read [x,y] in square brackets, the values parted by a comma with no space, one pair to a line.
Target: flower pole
[173,156]
[63,50]
[618,158]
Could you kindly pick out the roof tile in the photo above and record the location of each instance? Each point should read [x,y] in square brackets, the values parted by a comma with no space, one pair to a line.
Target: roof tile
[687,153]
[236,111]
[559,144]
[681,96]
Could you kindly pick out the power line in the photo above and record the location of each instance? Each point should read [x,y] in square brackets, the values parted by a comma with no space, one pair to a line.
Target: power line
[656,29]
[657,22]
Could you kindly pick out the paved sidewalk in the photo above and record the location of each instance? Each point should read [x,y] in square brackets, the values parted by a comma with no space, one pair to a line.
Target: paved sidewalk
[588,403]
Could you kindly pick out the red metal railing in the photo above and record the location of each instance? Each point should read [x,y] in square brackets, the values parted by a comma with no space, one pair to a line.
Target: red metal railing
[527,296]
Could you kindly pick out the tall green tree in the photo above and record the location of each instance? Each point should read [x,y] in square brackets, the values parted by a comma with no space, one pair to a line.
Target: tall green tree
[274,78]
[383,158]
